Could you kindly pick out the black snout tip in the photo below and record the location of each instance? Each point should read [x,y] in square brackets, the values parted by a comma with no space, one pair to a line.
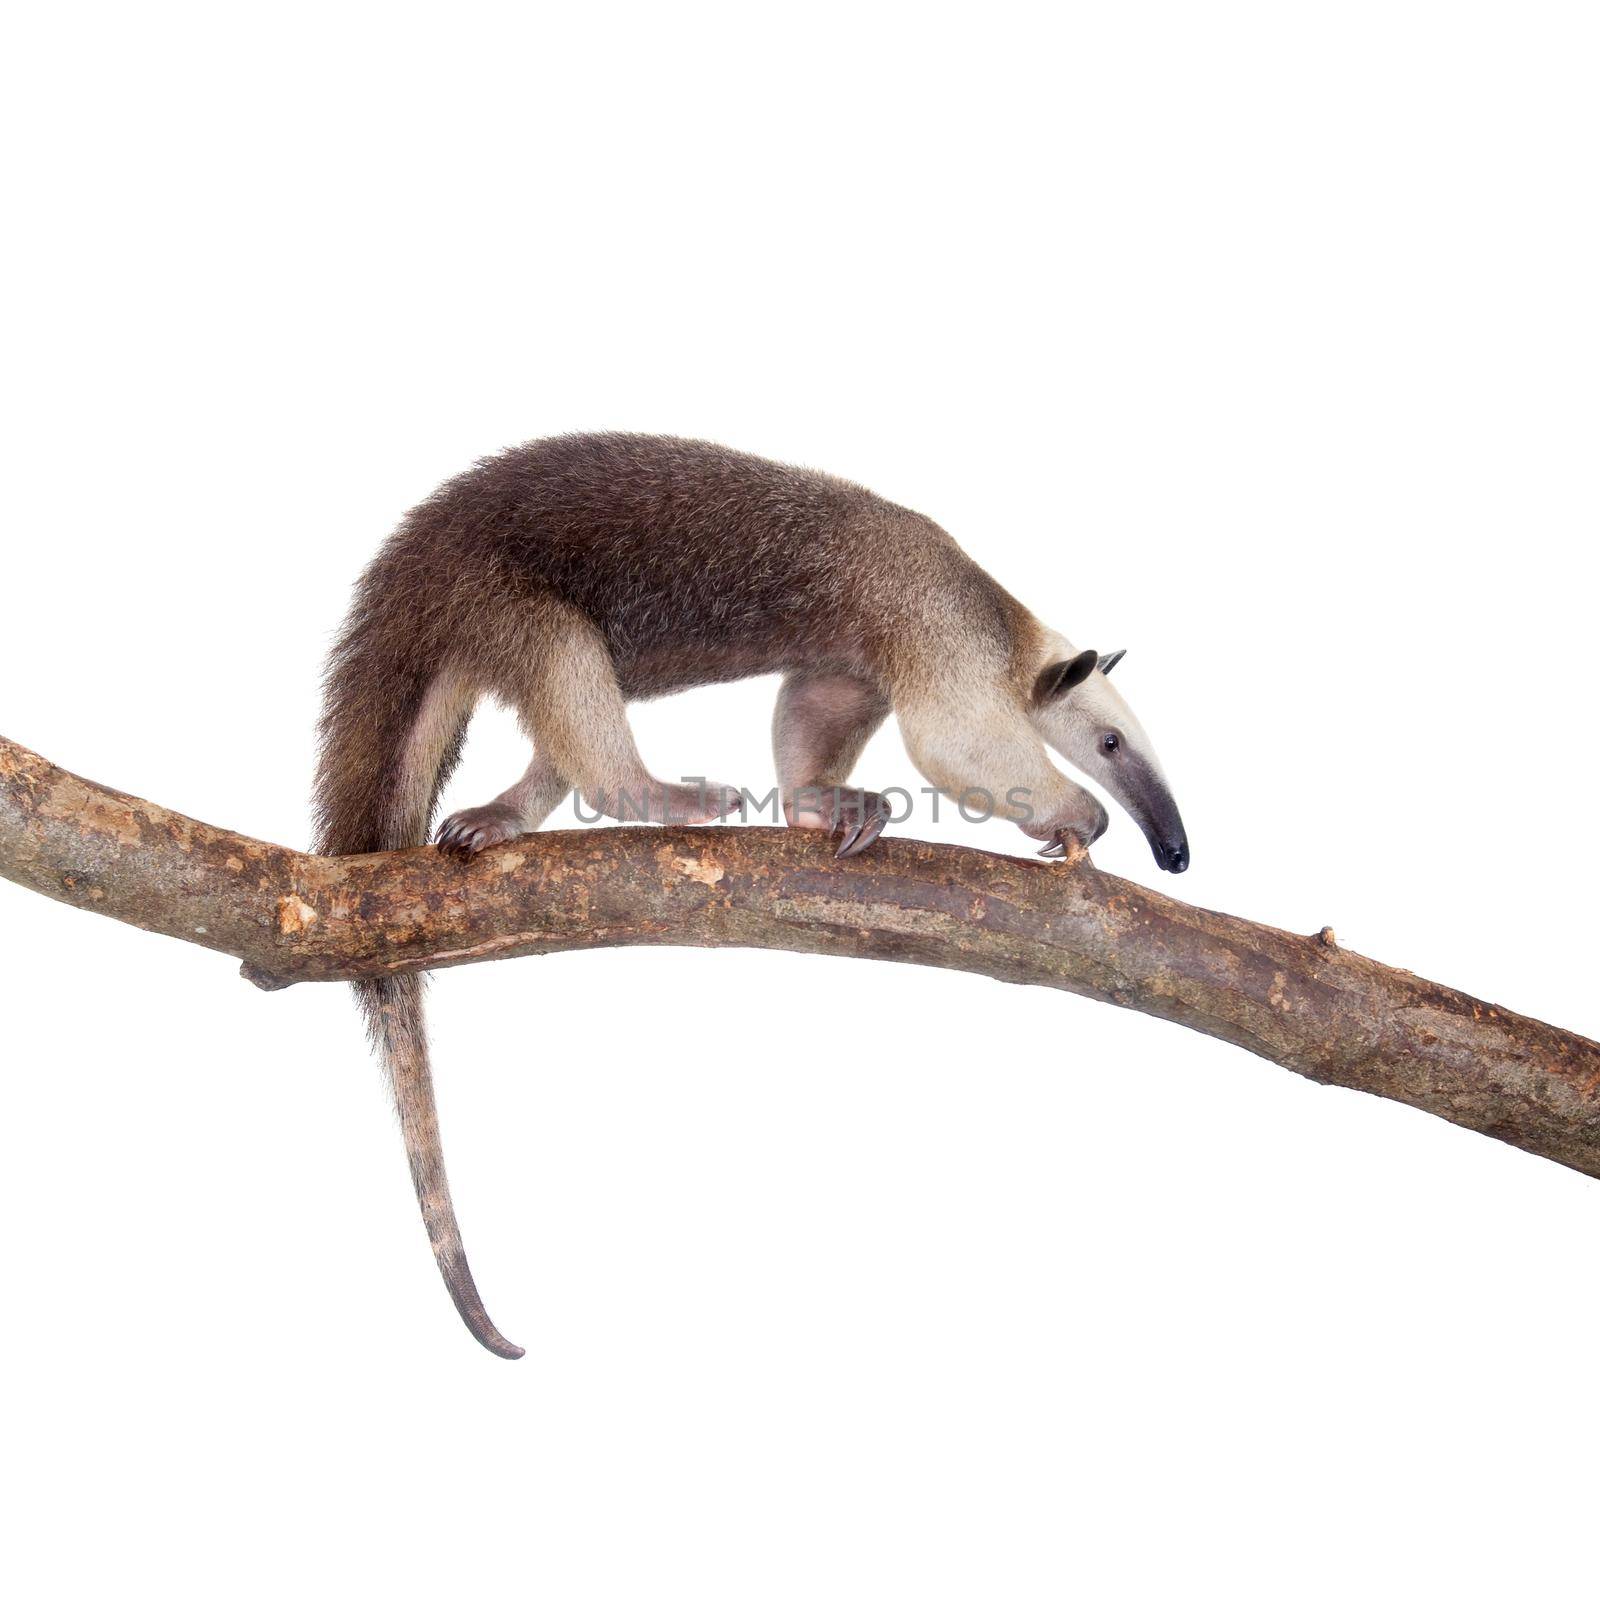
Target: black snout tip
[1174,857]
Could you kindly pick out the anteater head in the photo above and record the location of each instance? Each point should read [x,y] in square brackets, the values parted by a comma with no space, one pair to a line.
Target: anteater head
[1079,713]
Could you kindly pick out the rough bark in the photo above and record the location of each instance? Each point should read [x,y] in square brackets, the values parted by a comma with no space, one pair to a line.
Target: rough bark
[1299,1000]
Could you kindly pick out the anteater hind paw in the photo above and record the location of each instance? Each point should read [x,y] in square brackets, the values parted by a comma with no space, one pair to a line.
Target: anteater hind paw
[465,833]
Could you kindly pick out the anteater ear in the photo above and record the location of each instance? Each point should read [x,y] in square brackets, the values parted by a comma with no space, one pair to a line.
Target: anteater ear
[1108,662]
[1060,676]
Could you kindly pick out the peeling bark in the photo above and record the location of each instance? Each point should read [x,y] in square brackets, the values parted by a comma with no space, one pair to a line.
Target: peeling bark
[1299,1000]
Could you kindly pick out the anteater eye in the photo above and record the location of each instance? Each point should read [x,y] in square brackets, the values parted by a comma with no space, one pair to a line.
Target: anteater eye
[1110,744]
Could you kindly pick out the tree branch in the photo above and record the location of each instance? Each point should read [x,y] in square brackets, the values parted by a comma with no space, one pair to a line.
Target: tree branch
[1303,1002]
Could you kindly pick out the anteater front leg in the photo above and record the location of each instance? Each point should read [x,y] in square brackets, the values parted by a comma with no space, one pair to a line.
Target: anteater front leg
[822,723]
[978,748]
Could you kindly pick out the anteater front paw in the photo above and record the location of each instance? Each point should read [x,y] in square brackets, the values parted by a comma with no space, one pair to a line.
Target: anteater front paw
[465,833]
[854,816]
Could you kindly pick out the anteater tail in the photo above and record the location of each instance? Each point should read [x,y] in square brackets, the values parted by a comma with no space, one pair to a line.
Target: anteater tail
[393,1008]
[393,723]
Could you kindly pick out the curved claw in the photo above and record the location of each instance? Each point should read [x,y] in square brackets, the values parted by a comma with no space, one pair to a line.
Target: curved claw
[861,832]
[1059,846]
[467,833]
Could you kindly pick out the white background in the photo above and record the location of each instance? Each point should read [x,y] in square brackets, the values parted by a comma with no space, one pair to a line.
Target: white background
[1258,339]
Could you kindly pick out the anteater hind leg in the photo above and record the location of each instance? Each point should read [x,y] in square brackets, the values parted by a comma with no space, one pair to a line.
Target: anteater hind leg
[565,689]
[819,729]
[521,809]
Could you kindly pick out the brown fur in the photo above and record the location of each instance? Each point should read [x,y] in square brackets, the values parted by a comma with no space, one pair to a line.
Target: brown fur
[568,576]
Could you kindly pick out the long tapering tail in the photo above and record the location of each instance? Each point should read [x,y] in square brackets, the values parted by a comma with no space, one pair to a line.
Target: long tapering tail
[392,729]
[393,1008]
